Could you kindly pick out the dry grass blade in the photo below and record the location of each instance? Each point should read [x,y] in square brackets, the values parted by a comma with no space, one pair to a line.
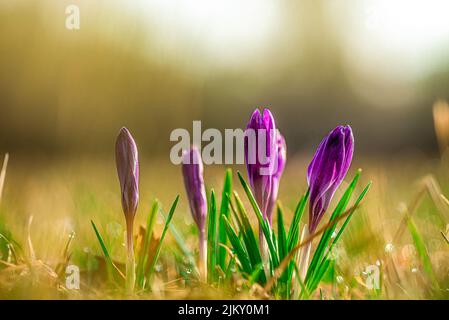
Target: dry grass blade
[3,174]
[278,272]
[30,243]
[430,185]
[445,238]
[441,123]
[445,200]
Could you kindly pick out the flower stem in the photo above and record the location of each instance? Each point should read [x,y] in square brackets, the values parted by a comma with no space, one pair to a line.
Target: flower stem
[263,249]
[130,262]
[203,255]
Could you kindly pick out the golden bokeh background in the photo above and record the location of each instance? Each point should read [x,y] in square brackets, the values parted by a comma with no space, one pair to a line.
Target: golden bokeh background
[158,65]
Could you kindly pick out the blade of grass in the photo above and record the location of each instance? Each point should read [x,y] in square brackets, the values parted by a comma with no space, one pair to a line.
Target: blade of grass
[212,238]
[12,245]
[224,210]
[422,252]
[182,245]
[345,223]
[278,272]
[326,237]
[263,223]
[322,266]
[247,232]
[238,247]
[3,174]
[143,257]
[109,264]
[444,236]
[282,236]
[257,271]
[161,240]
[293,234]
[283,250]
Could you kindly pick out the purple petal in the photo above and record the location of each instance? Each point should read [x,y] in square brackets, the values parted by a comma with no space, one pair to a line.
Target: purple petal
[192,169]
[128,171]
[327,170]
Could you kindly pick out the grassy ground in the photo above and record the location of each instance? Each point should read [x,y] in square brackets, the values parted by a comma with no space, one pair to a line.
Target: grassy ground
[48,204]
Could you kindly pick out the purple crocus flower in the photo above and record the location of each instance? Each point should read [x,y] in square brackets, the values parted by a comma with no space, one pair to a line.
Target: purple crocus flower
[192,170]
[126,157]
[261,155]
[282,159]
[327,170]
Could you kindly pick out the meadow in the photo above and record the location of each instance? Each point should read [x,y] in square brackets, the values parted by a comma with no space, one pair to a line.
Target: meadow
[364,215]
[47,207]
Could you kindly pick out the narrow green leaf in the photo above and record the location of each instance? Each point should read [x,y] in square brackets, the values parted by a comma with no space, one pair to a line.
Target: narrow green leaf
[326,237]
[224,211]
[360,198]
[293,234]
[212,238]
[143,258]
[318,275]
[180,241]
[247,232]
[282,236]
[266,229]
[238,247]
[161,240]
[345,223]
[109,264]
[422,251]
[257,272]
[231,264]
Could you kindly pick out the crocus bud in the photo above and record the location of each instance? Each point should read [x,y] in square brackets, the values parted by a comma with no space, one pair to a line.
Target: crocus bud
[126,157]
[192,170]
[261,155]
[281,160]
[327,170]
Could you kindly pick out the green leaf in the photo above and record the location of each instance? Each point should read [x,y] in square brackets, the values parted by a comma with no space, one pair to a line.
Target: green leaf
[161,240]
[282,236]
[212,238]
[143,258]
[422,251]
[348,218]
[320,261]
[318,275]
[359,199]
[248,234]
[224,211]
[257,272]
[266,229]
[238,247]
[109,264]
[293,234]
[326,237]
[180,241]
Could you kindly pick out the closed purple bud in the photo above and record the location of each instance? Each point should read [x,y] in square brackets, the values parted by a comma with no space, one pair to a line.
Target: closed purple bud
[126,157]
[261,155]
[327,170]
[192,170]
[282,159]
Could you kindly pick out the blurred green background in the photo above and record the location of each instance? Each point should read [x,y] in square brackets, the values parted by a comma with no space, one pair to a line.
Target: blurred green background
[156,65]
